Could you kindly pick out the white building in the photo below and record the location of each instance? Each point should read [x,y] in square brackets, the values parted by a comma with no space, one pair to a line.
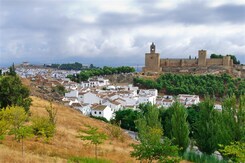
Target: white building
[114,105]
[91,98]
[146,99]
[188,100]
[72,94]
[152,92]
[166,101]
[102,111]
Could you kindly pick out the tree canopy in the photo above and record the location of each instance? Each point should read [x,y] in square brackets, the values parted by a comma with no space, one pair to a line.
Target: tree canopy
[86,74]
[235,60]
[213,85]
[12,92]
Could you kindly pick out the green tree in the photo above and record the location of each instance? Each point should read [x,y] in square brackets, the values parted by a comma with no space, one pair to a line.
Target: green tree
[22,133]
[12,92]
[17,117]
[52,113]
[94,136]
[207,127]
[43,128]
[4,124]
[12,70]
[235,151]
[126,118]
[153,146]
[180,127]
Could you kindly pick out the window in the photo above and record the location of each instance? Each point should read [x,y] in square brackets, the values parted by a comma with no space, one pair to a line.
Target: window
[95,112]
[100,112]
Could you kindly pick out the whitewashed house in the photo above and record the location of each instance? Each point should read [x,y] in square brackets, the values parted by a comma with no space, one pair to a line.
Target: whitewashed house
[72,94]
[114,105]
[91,98]
[166,103]
[152,92]
[102,111]
[147,99]
[188,100]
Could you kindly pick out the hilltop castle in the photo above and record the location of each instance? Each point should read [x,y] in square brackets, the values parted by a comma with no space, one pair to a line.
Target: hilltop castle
[153,63]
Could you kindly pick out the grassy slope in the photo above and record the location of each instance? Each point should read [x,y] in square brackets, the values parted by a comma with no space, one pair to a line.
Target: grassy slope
[65,144]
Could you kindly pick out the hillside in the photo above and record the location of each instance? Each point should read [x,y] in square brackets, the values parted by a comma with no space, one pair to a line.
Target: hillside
[65,144]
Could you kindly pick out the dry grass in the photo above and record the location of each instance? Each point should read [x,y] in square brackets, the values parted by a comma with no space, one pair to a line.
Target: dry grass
[65,144]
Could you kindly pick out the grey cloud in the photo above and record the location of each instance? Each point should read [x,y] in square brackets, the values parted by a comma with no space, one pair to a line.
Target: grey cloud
[39,29]
[185,13]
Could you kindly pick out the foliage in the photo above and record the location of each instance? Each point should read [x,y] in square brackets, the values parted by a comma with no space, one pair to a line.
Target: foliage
[11,71]
[86,74]
[12,92]
[175,84]
[152,144]
[235,60]
[43,127]
[115,132]
[235,151]
[16,117]
[207,127]
[126,118]
[193,113]
[52,112]
[94,136]
[4,124]
[86,160]
[180,127]
[60,89]
[22,133]
[68,66]
[201,158]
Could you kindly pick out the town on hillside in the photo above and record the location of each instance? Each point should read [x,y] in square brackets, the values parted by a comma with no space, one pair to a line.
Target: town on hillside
[97,96]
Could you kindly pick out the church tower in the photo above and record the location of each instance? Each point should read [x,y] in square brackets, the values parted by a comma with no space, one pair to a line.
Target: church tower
[152,60]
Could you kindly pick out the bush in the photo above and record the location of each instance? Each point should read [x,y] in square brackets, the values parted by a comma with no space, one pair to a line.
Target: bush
[116,132]
[43,127]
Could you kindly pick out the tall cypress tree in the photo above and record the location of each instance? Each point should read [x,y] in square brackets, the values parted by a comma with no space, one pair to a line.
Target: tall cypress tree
[207,126]
[180,128]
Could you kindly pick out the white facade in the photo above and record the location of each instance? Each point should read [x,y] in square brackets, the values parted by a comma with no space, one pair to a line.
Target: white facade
[146,99]
[152,92]
[188,100]
[115,106]
[91,98]
[102,111]
[72,94]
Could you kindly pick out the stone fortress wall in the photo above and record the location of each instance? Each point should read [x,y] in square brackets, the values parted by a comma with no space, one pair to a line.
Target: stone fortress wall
[153,63]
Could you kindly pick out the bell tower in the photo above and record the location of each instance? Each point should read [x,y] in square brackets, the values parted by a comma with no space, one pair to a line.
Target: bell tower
[153,48]
[152,60]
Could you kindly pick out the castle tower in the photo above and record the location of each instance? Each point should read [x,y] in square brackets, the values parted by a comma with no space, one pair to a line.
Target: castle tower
[153,48]
[202,61]
[226,60]
[152,60]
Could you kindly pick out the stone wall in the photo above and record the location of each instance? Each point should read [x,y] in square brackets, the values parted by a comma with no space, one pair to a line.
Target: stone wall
[178,62]
[214,61]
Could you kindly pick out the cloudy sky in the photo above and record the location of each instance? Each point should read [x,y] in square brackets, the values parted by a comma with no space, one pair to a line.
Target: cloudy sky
[118,32]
